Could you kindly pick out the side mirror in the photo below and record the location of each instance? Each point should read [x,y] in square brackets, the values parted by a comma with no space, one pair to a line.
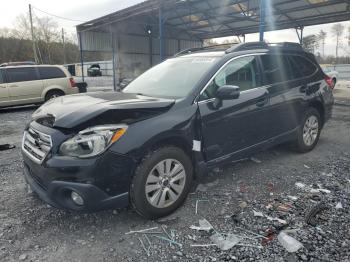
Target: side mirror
[227,92]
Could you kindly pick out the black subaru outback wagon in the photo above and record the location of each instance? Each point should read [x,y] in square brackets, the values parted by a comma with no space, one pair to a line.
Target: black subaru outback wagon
[198,110]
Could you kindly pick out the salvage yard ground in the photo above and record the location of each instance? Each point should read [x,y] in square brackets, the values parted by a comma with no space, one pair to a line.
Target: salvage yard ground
[279,183]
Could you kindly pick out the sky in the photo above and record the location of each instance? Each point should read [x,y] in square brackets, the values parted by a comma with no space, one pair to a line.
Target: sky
[84,10]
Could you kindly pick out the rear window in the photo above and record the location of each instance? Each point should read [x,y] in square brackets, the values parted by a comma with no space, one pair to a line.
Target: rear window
[304,66]
[21,74]
[276,69]
[51,72]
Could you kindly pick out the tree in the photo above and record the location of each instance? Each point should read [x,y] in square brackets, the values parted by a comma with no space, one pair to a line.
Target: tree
[322,38]
[310,43]
[337,32]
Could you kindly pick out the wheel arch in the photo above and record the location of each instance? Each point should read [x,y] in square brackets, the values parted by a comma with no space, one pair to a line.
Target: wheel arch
[50,89]
[320,108]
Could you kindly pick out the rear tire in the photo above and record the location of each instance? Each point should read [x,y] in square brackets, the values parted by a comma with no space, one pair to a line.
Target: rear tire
[162,182]
[53,94]
[309,131]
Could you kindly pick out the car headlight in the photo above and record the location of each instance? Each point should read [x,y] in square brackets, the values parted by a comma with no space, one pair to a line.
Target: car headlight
[92,141]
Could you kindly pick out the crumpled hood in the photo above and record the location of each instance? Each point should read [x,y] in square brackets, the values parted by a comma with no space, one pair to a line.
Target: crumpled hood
[73,110]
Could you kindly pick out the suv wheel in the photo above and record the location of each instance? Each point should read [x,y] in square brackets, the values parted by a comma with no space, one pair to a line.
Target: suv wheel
[161,183]
[53,94]
[309,132]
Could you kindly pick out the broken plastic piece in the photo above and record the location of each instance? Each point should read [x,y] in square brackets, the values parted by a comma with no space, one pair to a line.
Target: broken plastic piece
[339,205]
[204,225]
[289,243]
[258,214]
[225,242]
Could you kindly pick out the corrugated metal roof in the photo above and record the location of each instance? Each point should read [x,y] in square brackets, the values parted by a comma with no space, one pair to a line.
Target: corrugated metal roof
[217,18]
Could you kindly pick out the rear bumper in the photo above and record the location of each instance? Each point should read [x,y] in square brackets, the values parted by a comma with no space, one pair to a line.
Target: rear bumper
[58,194]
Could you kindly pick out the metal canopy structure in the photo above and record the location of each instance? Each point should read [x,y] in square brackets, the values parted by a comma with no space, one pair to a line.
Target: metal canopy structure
[205,19]
[163,24]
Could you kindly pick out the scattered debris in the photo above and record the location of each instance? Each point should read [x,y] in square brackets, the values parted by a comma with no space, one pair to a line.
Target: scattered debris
[339,205]
[289,243]
[141,231]
[311,216]
[169,240]
[300,185]
[202,200]
[204,225]
[243,204]
[258,214]
[147,250]
[293,197]
[6,147]
[255,160]
[284,207]
[225,242]
[306,166]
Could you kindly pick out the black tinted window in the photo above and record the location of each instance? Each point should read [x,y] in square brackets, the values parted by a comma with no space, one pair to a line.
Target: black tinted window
[276,69]
[1,77]
[242,72]
[306,67]
[50,72]
[21,74]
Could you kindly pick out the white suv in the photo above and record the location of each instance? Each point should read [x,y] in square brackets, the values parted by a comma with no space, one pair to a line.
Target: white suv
[34,84]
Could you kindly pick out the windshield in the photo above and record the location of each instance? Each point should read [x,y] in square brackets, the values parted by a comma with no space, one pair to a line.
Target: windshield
[174,77]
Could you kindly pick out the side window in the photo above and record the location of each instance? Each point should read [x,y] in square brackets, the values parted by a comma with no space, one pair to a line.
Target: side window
[21,74]
[306,67]
[276,69]
[51,72]
[1,77]
[242,72]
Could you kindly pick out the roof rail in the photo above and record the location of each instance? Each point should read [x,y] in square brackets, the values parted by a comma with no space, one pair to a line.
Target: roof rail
[195,49]
[247,46]
[287,45]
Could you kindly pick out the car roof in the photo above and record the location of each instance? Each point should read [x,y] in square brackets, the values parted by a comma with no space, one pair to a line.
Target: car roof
[25,66]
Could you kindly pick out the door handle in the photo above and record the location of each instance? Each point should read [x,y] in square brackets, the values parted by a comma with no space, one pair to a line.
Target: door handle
[262,101]
[2,86]
[13,86]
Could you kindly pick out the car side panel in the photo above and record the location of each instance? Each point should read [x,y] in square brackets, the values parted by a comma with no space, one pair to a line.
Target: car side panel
[25,92]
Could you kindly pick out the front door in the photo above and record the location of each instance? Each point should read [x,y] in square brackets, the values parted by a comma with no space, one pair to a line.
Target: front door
[24,85]
[232,127]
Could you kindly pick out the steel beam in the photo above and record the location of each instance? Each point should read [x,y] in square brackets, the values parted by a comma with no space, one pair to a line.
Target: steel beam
[81,56]
[262,20]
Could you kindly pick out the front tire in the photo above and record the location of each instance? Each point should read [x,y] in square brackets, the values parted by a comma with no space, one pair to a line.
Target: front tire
[309,131]
[162,182]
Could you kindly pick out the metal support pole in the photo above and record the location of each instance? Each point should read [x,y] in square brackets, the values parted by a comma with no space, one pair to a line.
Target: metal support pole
[113,61]
[32,33]
[301,35]
[262,20]
[64,47]
[81,56]
[161,42]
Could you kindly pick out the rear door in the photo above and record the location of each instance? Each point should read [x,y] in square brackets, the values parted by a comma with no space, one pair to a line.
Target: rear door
[231,127]
[24,85]
[4,93]
[52,75]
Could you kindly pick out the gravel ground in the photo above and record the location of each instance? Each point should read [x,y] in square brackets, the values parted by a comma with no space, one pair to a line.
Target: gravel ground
[32,231]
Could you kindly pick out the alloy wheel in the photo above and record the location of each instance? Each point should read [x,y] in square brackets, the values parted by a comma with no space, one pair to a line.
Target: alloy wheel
[310,130]
[165,183]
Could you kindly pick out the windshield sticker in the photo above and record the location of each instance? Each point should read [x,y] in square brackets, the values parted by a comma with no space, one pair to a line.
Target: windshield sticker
[203,60]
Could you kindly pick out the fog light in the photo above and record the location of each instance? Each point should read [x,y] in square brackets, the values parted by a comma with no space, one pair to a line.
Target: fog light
[77,199]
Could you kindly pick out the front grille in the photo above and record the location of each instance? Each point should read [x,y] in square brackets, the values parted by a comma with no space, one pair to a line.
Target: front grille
[36,145]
